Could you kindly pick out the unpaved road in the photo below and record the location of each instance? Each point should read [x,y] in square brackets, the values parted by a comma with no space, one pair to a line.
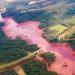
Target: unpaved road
[29,31]
[68,31]
[19,70]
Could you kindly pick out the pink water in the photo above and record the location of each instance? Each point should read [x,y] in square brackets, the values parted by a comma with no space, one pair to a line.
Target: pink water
[30,32]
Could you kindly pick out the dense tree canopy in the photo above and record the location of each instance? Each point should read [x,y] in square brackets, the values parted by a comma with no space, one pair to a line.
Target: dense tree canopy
[37,68]
[32,68]
[13,49]
[72,43]
[52,73]
[10,72]
[53,39]
[2,24]
[49,57]
[43,25]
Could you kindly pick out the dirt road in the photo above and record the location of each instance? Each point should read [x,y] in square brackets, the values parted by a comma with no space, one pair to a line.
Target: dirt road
[30,32]
[68,31]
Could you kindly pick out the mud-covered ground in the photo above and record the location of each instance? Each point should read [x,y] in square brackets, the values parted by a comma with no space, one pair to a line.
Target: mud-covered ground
[29,31]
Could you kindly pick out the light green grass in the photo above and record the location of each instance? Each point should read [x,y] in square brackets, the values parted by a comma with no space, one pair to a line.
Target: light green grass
[58,29]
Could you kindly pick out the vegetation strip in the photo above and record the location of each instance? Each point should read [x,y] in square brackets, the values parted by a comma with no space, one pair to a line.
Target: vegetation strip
[14,63]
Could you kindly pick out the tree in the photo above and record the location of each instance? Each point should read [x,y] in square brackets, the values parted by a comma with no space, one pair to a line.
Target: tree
[35,68]
[43,25]
[2,24]
[10,72]
[11,50]
[53,39]
[72,43]
[49,57]
[52,73]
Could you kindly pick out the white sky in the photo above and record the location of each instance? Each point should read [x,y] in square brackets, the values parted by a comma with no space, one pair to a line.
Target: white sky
[10,0]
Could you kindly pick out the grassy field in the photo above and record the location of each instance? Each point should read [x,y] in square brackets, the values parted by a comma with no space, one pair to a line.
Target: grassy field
[53,31]
[58,29]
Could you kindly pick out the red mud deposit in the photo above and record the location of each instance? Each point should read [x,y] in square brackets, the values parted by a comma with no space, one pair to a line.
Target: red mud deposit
[63,65]
[29,31]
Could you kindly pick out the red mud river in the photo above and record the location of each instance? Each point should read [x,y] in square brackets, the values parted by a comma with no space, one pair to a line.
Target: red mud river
[29,31]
